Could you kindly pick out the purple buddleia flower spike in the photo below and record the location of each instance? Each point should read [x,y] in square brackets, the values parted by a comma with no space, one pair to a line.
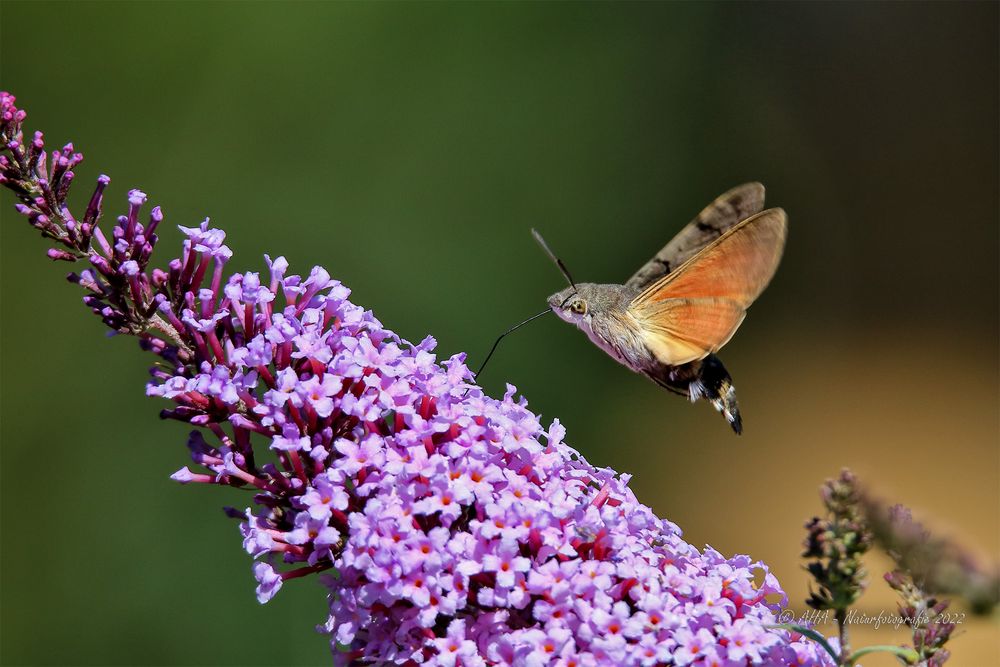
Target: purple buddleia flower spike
[454,528]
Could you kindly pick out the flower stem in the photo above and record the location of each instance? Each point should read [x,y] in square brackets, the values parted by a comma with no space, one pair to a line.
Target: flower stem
[845,642]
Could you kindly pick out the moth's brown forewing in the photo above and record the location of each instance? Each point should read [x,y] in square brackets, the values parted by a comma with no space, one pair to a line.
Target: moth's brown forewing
[728,209]
[695,310]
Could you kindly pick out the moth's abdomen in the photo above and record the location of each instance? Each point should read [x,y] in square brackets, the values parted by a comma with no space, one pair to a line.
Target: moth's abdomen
[717,385]
[706,378]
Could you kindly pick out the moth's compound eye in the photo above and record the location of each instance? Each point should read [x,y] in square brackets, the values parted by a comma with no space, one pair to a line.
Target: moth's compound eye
[579,307]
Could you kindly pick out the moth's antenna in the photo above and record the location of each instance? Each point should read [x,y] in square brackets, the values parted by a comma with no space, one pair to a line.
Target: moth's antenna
[494,348]
[552,256]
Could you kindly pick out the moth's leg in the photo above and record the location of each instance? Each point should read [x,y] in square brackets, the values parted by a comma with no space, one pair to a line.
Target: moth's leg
[675,379]
[706,379]
[680,391]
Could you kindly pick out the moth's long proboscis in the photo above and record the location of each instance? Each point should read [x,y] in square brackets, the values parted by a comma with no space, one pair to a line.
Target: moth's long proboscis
[552,256]
[500,338]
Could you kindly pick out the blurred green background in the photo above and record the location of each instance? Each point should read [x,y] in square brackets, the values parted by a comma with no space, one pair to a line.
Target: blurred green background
[409,148]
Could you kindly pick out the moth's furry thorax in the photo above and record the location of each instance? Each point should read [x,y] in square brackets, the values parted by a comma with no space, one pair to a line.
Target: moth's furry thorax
[601,312]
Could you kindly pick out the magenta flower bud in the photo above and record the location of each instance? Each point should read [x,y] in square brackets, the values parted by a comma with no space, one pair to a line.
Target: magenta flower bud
[63,185]
[155,217]
[185,476]
[56,254]
[94,207]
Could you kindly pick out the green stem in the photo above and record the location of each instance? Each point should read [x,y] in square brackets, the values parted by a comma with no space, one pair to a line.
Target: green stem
[845,641]
[906,654]
[159,324]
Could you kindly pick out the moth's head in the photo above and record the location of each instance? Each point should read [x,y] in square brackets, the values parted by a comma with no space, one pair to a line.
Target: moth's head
[573,304]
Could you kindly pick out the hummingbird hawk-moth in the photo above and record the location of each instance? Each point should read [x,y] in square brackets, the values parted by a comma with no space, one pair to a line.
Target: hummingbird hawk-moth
[670,318]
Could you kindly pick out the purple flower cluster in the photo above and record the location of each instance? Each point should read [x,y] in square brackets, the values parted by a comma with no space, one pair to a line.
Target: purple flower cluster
[454,528]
